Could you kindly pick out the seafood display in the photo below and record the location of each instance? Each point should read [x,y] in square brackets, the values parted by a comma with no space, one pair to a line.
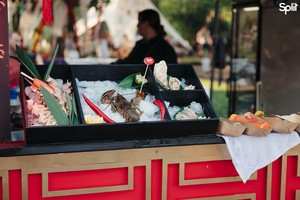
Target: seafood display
[112,104]
[109,102]
[174,83]
[193,111]
[48,101]
[187,113]
[160,74]
[38,112]
[168,82]
[118,104]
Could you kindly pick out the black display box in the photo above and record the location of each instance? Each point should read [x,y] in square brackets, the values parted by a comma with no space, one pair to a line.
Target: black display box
[125,130]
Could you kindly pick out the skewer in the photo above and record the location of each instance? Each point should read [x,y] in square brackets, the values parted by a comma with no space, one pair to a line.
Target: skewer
[29,81]
[148,61]
[27,76]
[144,78]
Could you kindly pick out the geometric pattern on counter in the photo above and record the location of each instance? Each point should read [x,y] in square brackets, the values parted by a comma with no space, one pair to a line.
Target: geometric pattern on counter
[194,172]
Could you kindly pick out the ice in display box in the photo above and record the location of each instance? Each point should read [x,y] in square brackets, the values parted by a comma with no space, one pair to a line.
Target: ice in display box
[99,81]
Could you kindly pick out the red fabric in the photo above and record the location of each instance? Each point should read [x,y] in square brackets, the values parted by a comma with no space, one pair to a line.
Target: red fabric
[14,73]
[47,12]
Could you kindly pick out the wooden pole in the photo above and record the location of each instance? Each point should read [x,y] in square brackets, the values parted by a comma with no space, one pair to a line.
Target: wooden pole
[5,134]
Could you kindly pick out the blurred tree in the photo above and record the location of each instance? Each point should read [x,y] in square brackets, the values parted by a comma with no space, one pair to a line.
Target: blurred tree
[188,16]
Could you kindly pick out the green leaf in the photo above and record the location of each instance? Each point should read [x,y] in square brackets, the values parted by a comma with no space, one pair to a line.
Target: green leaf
[180,110]
[54,107]
[137,86]
[75,120]
[50,66]
[73,112]
[27,63]
[74,105]
[75,116]
[127,81]
[70,108]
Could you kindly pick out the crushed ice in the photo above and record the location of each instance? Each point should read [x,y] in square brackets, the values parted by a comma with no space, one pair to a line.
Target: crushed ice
[95,89]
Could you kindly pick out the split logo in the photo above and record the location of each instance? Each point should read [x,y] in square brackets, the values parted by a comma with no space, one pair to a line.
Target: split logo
[287,8]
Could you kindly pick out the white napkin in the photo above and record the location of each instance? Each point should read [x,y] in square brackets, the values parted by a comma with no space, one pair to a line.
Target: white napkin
[250,153]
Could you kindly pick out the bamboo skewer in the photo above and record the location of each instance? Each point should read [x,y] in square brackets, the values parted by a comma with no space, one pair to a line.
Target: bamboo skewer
[27,76]
[144,78]
[29,81]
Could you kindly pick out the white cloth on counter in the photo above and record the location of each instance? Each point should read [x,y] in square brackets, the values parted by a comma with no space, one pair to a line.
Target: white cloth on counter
[250,153]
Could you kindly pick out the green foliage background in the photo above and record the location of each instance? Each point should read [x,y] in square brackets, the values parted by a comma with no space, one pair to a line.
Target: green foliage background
[188,16]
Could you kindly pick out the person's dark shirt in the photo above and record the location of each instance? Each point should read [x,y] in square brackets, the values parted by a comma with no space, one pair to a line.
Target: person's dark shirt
[157,48]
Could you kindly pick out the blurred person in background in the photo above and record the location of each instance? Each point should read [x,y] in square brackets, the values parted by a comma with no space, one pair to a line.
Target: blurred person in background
[205,43]
[102,49]
[204,40]
[70,48]
[153,43]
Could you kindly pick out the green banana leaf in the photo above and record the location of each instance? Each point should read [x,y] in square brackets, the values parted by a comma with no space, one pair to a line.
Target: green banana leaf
[27,63]
[50,65]
[75,116]
[127,81]
[72,110]
[54,107]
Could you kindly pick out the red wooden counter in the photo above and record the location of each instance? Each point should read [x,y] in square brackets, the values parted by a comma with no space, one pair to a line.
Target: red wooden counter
[152,170]
[190,172]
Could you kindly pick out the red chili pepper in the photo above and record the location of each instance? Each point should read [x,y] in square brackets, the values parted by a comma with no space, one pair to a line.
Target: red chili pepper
[97,110]
[162,108]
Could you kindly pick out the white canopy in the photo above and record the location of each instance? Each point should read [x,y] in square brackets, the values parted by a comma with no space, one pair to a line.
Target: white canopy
[121,18]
